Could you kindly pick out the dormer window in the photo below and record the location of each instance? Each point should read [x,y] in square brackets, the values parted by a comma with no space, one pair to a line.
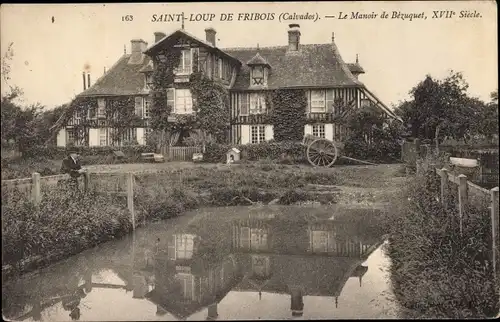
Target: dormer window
[259,70]
[258,75]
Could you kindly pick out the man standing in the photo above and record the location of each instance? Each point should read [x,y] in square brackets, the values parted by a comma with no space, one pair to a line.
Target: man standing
[71,165]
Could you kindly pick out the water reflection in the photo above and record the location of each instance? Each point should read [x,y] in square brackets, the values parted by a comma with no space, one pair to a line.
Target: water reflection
[176,272]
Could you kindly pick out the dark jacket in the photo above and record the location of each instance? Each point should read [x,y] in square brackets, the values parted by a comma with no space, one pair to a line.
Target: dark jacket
[71,165]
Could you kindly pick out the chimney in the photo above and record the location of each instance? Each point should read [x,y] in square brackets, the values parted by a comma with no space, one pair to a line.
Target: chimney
[293,37]
[88,80]
[138,47]
[210,35]
[158,36]
[333,37]
[83,75]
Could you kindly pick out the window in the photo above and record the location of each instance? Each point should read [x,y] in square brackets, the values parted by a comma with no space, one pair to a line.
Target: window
[187,285]
[101,108]
[71,136]
[92,112]
[183,101]
[185,63]
[102,136]
[147,102]
[244,104]
[184,246]
[253,238]
[318,130]
[318,102]
[365,103]
[258,239]
[320,241]
[257,133]
[258,75]
[257,103]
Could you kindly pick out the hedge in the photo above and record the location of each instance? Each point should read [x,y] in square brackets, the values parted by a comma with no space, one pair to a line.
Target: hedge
[283,152]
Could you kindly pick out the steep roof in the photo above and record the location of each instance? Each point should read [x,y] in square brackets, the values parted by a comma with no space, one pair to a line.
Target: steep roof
[121,79]
[314,65]
[257,60]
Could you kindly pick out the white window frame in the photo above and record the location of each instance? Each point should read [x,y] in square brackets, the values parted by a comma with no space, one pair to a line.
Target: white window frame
[101,108]
[257,103]
[318,101]
[102,137]
[260,134]
[318,130]
[185,69]
[258,238]
[187,102]
[184,246]
[320,240]
[221,69]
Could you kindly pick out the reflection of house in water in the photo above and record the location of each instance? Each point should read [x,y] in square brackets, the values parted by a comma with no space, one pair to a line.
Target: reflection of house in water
[187,280]
[297,258]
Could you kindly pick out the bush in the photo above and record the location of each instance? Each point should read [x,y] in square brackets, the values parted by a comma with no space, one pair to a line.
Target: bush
[62,223]
[436,272]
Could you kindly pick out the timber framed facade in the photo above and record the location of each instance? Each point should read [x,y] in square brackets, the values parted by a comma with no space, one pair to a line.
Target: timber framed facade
[332,88]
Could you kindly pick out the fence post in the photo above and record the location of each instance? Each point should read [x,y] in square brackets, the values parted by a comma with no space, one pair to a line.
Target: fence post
[462,199]
[86,181]
[444,185]
[494,229]
[35,188]
[130,197]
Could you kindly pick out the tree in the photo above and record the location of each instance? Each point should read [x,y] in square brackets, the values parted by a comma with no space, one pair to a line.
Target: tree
[440,108]
[372,136]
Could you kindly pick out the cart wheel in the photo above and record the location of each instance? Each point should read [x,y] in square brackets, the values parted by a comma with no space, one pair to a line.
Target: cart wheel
[322,153]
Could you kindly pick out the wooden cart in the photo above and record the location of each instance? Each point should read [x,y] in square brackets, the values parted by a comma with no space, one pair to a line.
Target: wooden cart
[322,152]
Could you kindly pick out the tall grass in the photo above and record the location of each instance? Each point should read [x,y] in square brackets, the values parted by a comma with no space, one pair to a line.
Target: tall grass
[436,271]
[62,222]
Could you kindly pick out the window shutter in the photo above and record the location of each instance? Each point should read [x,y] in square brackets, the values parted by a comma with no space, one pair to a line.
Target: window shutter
[138,106]
[244,104]
[329,100]
[308,109]
[171,98]
[171,248]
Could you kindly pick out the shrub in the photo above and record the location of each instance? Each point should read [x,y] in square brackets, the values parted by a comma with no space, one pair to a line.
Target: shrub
[437,272]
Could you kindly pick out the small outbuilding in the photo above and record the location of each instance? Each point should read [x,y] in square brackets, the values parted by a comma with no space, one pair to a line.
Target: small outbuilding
[233,155]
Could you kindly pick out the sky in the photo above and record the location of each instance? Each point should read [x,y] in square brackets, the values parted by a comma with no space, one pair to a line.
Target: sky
[49,57]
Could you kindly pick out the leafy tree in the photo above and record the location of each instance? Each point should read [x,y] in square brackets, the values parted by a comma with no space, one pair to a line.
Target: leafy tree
[441,108]
[372,136]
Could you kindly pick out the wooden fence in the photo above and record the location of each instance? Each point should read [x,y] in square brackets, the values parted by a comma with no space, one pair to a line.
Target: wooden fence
[468,193]
[180,153]
[110,183]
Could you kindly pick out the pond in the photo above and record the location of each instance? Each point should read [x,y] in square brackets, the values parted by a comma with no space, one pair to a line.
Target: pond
[269,262]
